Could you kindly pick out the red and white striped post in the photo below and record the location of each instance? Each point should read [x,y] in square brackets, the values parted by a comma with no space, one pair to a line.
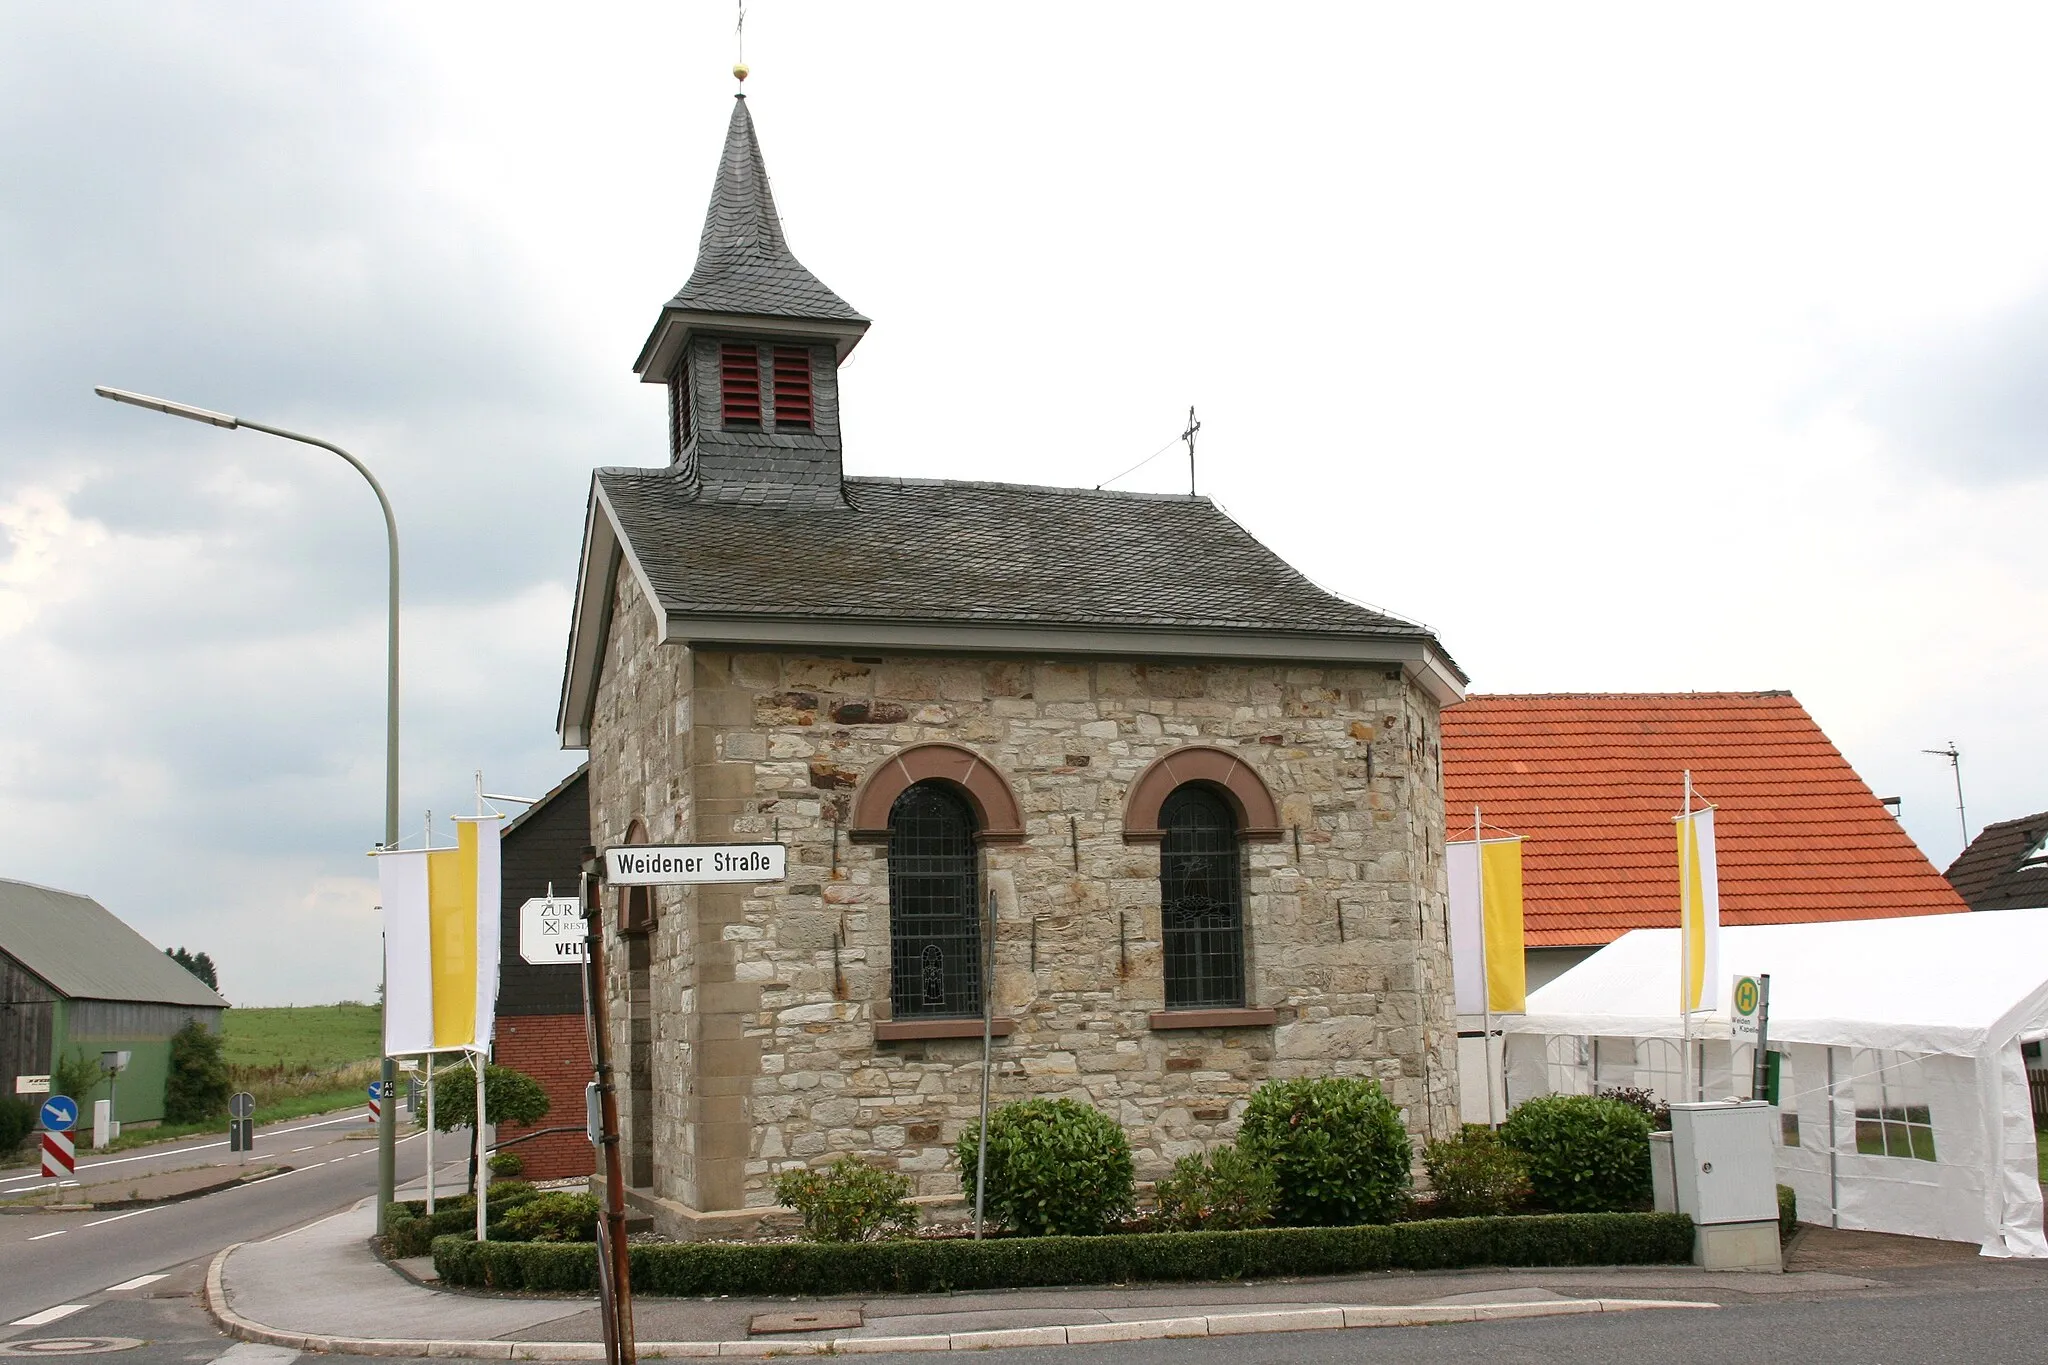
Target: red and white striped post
[60,1161]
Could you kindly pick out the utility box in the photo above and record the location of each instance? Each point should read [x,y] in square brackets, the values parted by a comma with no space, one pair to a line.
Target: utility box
[1725,1171]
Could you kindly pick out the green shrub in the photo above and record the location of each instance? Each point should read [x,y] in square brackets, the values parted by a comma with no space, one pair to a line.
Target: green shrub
[849,1201]
[1225,1190]
[1336,1147]
[1788,1214]
[197,1087]
[920,1266]
[409,1232]
[504,1164]
[1636,1097]
[1476,1173]
[17,1121]
[1055,1168]
[558,1217]
[78,1076]
[1585,1153]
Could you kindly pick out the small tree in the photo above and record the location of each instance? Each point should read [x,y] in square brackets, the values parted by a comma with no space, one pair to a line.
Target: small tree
[509,1097]
[197,1088]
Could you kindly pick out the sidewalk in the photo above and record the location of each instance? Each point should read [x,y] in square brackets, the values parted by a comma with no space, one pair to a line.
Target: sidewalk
[321,1288]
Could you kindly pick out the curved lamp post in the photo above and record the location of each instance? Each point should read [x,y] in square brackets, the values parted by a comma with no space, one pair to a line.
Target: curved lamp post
[387,1127]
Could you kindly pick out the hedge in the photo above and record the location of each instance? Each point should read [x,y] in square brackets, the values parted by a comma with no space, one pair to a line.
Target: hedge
[1788,1214]
[929,1266]
[408,1231]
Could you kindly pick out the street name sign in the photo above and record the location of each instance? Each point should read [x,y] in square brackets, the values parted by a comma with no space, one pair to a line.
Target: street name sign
[691,864]
[551,931]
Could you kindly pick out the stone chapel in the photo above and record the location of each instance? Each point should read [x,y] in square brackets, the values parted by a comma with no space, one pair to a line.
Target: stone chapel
[1201,797]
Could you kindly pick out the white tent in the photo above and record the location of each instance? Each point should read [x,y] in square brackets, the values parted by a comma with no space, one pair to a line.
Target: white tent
[1903,1094]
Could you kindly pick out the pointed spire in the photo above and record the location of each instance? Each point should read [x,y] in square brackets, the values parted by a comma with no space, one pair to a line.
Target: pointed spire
[743,263]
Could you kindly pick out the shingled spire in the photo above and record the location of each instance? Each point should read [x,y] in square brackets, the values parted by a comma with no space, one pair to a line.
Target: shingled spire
[744,264]
[750,350]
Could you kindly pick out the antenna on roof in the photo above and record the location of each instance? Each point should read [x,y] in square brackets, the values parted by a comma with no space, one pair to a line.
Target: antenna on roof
[1955,763]
[739,44]
[1189,437]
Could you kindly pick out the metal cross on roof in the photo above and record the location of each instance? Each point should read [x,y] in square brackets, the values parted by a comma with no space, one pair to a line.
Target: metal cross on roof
[1189,436]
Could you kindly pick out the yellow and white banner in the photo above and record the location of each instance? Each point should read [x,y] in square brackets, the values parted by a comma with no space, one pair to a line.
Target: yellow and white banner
[1699,912]
[1487,964]
[441,928]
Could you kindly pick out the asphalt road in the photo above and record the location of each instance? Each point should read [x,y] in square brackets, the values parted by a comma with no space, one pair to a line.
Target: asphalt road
[273,1143]
[104,1261]
[1968,1327]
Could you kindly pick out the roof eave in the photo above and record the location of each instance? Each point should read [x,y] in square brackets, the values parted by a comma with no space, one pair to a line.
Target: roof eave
[605,549]
[1418,656]
[657,360]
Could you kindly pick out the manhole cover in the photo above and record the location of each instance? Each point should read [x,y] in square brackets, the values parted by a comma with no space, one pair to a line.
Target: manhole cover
[67,1346]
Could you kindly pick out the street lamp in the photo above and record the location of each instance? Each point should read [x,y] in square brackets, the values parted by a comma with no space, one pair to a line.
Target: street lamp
[387,1127]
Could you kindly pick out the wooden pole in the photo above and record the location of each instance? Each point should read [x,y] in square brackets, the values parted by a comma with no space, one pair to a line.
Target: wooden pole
[619,1345]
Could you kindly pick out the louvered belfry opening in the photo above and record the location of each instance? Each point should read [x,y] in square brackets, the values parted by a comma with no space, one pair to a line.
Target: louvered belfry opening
[792,388]
[1201,902]
[934,913]
[739,380]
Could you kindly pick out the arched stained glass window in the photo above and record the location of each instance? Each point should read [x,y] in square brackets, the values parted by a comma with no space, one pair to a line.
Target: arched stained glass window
[934,914]
[1201,901]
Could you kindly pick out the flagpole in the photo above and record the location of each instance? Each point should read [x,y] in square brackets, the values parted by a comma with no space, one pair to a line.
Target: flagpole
[1685,945]
[483,1172]
[429,1060]
[1485,971]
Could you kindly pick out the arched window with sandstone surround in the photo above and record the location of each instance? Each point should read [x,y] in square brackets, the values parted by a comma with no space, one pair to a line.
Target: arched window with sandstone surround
[934,909]
[1201,900]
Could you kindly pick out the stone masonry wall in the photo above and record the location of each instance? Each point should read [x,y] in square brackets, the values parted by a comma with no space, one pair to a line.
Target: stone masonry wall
[764,996]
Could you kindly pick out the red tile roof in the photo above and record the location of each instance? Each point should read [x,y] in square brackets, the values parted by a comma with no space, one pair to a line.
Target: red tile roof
[1593,780]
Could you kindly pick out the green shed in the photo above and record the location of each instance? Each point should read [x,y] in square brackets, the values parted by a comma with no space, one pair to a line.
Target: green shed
[75,982]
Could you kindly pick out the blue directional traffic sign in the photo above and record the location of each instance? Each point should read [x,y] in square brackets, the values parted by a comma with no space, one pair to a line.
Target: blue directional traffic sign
[377,1091]
[60,1112]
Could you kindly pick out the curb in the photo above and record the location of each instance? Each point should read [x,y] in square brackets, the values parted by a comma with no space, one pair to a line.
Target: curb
[1078,1334]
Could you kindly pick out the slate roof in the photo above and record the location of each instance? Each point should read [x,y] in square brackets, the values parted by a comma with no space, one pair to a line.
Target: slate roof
[1592,781]
[2003,868]
[944,551]
[83,952]
[744,264]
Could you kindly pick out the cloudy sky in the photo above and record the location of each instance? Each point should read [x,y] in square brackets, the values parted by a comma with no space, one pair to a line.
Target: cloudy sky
[1630,350]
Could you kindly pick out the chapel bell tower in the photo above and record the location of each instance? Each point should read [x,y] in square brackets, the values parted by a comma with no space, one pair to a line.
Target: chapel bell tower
[750,351]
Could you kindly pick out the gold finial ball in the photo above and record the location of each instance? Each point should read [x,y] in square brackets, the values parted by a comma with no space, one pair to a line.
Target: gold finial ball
[739,72]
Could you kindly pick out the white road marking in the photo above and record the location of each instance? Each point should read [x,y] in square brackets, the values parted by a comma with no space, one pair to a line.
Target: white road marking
[45,1236]
[256,1353]
[138,1282]
[132,1213]
[49,1315]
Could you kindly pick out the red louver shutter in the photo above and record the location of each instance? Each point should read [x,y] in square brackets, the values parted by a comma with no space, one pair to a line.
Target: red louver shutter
[792,387]
[739,371]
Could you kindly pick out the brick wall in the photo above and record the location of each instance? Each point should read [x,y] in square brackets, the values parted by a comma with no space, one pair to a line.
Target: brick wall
[552,1049]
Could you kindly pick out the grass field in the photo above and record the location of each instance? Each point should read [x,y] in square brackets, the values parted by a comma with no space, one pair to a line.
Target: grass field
[303,1037]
